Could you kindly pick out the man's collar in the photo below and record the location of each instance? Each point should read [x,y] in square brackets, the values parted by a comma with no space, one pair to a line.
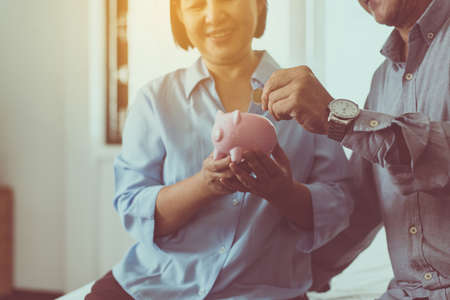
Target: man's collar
[433,19]
[429,24]
[393,46]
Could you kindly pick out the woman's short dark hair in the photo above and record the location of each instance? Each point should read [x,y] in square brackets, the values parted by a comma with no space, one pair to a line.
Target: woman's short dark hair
[179,32]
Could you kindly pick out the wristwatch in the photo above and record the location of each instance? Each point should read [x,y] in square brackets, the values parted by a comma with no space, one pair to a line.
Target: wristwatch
[342,114]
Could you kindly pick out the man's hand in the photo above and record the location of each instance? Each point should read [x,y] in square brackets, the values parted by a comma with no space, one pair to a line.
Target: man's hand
[297,93]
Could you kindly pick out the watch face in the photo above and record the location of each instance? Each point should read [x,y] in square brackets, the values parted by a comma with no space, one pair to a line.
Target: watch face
[345,109]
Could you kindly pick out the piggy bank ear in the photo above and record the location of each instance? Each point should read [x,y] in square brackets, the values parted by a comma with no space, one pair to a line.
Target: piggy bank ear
[219,113]
[236,117]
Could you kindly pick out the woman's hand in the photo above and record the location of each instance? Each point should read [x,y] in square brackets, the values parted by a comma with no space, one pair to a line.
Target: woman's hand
[218,177]
[268,178]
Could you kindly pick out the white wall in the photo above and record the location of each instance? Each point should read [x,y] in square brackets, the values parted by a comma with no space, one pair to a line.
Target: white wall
[46,150]
[81,191]
[351,53]
[32,131]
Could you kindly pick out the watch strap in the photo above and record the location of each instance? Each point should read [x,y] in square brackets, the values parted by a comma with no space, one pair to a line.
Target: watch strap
[336,131]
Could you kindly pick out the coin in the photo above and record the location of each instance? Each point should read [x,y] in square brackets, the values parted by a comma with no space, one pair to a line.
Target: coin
[256,95]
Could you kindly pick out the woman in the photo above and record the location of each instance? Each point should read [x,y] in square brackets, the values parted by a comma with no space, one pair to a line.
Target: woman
[208,229]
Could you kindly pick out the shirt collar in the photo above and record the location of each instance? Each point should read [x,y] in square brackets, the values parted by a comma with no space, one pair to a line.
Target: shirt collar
[433,19]
[393,46]
[429,25]
[198,72]
[265,68]
[194,75]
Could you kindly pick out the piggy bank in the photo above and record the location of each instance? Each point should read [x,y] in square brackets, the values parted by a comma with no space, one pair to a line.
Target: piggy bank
[236,132]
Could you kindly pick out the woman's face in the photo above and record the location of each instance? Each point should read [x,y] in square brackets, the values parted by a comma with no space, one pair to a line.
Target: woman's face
[222,30]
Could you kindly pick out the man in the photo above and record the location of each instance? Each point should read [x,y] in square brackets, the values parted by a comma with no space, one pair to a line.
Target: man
[401,148]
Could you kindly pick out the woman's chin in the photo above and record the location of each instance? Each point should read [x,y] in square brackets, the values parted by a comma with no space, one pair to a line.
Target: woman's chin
[219,55]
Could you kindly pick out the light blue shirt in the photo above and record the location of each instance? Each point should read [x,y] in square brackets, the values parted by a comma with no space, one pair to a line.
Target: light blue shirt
[238,246]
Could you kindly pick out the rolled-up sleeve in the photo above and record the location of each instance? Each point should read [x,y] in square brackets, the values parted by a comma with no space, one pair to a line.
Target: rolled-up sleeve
[138,171]
[377,137]
[329,184]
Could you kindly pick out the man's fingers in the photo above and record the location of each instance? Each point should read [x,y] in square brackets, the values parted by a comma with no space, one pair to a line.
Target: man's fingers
[284,109]
[278,80]
[280,95]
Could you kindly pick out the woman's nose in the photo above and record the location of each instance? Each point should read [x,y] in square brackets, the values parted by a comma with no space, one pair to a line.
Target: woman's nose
[214,12]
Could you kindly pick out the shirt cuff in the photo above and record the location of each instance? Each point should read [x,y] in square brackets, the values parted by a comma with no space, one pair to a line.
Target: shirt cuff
[139,217]
[416,132]
[373,137]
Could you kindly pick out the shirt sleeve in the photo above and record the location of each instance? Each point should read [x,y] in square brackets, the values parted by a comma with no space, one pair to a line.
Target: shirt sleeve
[365,221]
[379,138]
[329,184]
[138,171]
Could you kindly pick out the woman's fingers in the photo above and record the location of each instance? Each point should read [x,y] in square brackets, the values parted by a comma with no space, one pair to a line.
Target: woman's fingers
[217,165]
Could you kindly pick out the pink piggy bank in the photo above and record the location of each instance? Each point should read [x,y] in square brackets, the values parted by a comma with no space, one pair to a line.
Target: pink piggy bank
[236,131]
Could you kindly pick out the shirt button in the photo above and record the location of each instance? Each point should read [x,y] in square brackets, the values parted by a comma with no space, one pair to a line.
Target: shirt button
[222,250]
[235,202]
[201,292]
[430,35]
[374,123]
[428,276]
[408,76]
[413,230]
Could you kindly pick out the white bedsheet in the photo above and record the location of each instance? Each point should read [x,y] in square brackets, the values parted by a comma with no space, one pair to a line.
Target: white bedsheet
[78,294]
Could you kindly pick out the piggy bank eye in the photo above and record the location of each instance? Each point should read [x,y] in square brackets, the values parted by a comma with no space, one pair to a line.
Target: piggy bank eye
[218,134]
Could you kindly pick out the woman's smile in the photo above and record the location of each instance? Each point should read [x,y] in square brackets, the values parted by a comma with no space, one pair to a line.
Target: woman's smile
[219,35]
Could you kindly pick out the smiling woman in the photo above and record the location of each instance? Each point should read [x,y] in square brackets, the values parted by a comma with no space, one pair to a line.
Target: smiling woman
[206,227]
[147,50]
